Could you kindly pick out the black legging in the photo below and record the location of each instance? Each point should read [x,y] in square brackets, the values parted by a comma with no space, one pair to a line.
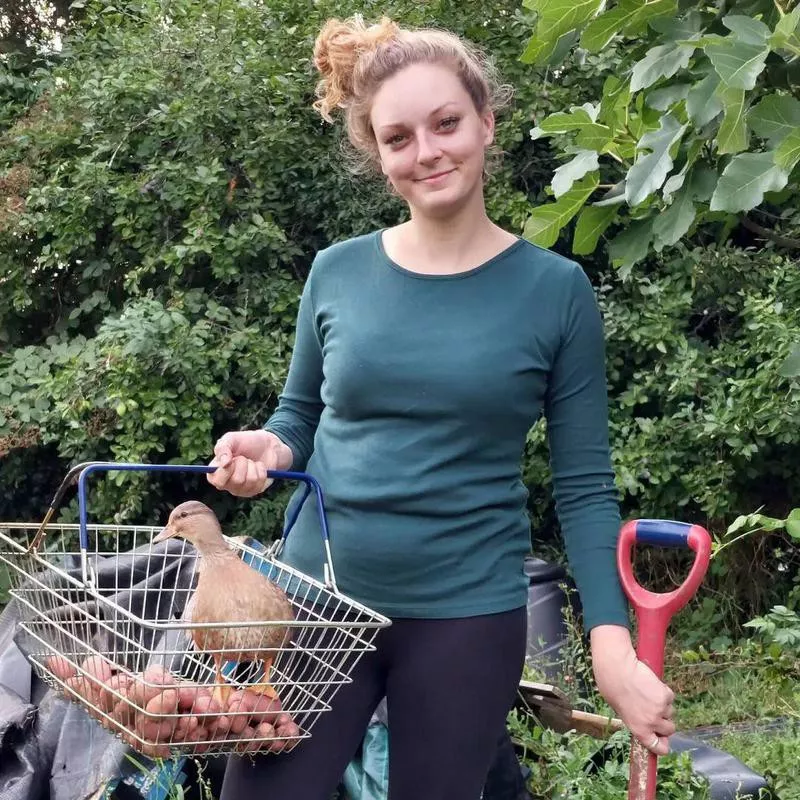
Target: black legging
[449,685]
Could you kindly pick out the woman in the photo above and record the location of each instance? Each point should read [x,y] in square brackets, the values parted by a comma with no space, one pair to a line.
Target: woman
[424,353]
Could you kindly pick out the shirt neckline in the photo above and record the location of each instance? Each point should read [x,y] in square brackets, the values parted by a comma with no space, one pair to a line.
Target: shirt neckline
[443,277]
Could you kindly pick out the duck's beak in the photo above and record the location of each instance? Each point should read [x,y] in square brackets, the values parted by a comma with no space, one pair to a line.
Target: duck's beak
[166,533]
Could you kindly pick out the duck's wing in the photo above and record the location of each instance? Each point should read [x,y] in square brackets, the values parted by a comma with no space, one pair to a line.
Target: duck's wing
[188,609]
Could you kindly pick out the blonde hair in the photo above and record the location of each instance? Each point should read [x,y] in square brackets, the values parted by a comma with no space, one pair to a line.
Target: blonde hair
[354,59]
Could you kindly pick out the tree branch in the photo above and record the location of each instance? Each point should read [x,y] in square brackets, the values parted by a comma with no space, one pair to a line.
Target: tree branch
[782,241]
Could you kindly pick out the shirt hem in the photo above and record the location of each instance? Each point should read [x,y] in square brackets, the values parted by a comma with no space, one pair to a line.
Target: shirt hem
[403,611]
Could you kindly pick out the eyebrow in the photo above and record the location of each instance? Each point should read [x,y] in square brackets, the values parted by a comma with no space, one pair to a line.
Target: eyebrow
[433,113]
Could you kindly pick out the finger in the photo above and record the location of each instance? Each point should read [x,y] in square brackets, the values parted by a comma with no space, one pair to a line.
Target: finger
[263,481]
[239,476]
[659,745]
[220,477]
[253,483]
[224,449]
[665,727]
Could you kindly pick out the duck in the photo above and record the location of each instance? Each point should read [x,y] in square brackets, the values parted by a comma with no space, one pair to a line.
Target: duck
[229,590]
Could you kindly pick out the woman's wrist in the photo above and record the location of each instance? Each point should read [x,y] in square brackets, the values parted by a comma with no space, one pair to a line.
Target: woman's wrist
[611,642]
[282,455]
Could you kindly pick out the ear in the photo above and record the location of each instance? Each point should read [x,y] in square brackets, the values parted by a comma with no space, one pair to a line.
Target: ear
[487,118]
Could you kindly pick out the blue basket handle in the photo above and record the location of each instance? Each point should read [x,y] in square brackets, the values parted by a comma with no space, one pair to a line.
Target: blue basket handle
[663,532]
[83,471]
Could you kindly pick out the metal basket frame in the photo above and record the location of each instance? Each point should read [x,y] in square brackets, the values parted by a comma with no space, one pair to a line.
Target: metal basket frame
[72,608]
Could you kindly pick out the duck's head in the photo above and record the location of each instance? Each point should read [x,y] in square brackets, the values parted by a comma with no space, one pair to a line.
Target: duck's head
[195,522]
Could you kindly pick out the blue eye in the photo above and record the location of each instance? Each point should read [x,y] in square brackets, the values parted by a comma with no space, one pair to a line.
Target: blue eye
[449,123]
[396,139]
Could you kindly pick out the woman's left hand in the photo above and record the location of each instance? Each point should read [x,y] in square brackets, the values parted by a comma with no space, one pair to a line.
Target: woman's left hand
[631,688]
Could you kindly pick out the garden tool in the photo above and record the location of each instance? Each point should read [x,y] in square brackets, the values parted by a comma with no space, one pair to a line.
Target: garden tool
[653,614]
[554,709]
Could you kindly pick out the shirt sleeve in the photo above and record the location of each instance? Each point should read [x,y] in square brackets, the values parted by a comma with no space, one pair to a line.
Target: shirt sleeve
[300,405]
[576,408]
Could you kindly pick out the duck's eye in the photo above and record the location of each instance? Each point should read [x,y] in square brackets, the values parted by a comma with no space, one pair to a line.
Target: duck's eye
[183,514]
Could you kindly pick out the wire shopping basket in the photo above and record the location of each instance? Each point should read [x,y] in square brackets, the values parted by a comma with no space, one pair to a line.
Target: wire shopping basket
[105,618]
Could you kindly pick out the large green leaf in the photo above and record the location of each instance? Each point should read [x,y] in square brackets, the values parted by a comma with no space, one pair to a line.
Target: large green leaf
[793,524]
[594,137]
[791,366]
[744,181]
[545,223]
[663,99]
[591,224]
[555,18]
[732,136]
[673,223]
[737,63]
[786,33]
[679,28]
[662,61]
[577,118]
[628,13]
[748,29]
[702,102]
[615,102]
[631,246]
[650,171]
[675,182]
[775,117]
[600,31]
[788,153]
[563,178]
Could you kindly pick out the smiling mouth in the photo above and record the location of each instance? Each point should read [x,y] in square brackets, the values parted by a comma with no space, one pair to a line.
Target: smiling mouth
[435,176]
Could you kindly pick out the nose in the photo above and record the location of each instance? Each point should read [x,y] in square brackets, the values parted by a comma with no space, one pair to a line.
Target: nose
[428,150]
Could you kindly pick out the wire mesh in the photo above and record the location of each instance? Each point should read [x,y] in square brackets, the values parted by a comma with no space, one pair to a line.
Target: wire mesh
[124,645]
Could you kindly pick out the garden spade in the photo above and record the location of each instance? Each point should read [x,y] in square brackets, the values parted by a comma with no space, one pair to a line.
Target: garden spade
[653,614]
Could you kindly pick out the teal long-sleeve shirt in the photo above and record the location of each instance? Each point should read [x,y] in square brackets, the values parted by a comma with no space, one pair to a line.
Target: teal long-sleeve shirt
[409,398]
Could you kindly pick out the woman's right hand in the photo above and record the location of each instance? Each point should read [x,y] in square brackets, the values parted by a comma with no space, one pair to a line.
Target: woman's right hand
[243,458]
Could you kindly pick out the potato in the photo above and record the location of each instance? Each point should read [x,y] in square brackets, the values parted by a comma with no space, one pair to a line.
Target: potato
[118,686]
[199,737]
[154,750]
[245,746]
[260,707]
[221,728]
[186,724]
[286,738]
[149,684]
[239,721]
[189,693]
[282,719]
[154,725]
[211,715]
[78,685]
[60,667]
[109,697]
[151,750]
[124,713]
[164,703]
[98,673]
[206,708]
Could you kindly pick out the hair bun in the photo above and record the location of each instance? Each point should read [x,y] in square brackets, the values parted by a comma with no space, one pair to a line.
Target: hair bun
[337,50]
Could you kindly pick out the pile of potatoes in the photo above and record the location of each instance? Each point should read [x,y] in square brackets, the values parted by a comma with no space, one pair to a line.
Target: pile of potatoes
[164,710]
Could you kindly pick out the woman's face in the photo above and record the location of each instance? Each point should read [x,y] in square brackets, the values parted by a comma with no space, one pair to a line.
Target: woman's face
[431,139]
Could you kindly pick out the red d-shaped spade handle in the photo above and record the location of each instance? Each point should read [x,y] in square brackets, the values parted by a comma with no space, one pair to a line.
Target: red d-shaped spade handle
[653,614]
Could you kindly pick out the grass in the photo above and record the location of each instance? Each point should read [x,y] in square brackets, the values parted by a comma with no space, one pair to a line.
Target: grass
[775,757]
[735,694]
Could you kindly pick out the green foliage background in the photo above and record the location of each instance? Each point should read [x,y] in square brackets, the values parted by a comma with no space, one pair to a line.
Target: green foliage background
[164,184]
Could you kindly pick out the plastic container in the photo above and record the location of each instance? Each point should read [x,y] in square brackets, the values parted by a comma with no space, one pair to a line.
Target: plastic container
[547,629]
